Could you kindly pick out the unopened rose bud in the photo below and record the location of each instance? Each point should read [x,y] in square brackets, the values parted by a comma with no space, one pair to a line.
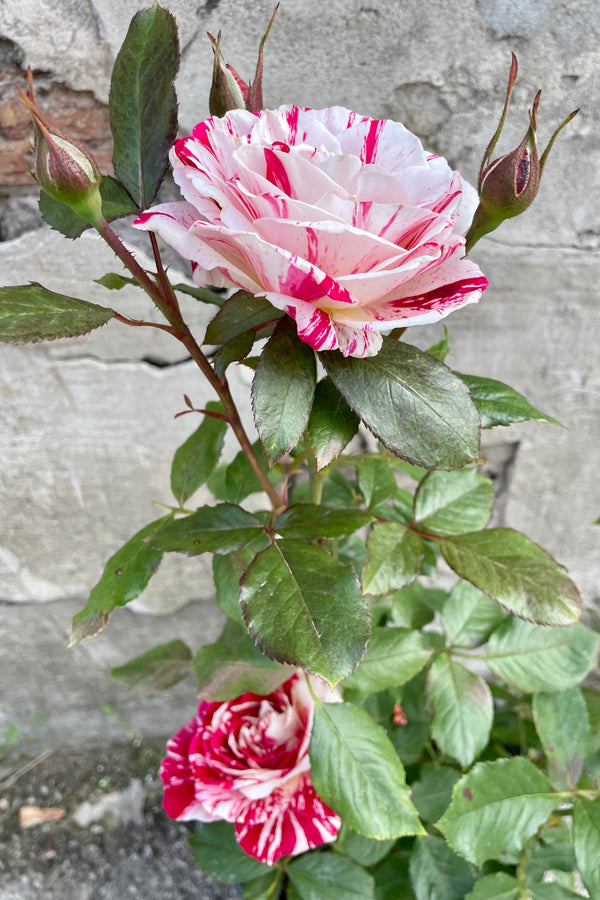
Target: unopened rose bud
[228,91]
[63,168]
[507,186]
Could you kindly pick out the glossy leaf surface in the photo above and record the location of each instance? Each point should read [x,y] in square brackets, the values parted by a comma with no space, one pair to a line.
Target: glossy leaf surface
[142,103]
[531,658]
[216,529]
[304,608]
[463,710]
[496,808]
[30,313]
[511,569]
[415,406]
[393,657]
[356,771]
[332,424]
[282,390]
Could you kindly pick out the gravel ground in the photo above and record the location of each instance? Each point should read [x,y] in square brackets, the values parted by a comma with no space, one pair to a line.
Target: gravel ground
[112,841]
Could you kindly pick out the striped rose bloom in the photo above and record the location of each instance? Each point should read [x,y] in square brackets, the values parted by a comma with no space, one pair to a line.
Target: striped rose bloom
[342,221]
[246,761]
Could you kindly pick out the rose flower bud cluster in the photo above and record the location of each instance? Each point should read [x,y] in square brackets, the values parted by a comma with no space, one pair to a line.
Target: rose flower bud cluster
[246,761]
[344,222]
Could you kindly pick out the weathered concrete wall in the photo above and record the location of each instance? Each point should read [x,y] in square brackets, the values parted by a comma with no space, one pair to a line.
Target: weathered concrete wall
[87,430]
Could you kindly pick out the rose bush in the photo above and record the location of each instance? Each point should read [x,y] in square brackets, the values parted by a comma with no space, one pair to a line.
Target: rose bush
[342,221]
[246,761]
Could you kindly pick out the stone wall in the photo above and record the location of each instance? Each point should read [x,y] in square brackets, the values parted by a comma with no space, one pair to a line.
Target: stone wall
[87,426]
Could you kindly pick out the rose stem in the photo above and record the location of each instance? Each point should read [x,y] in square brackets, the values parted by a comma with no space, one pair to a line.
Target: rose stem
[164,298]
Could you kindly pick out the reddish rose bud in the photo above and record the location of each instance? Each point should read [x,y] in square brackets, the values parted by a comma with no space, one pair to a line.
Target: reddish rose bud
[63,168]
[507,186]
[228,91]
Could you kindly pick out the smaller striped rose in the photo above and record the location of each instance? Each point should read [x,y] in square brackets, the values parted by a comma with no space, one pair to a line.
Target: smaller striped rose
[342,221]
[246,761]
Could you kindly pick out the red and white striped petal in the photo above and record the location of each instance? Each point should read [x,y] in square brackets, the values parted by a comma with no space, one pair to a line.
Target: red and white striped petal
[287,823]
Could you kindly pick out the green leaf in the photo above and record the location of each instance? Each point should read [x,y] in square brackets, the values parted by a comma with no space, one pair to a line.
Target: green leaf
[156,670]
[410,739]
[498,886]
[237,348]
[411,402]
[331,425]
[562,722]
[496,808]
[392,881]
[363,850]
[304,608]
[453,502]
[431,793]
[116,202]
[240,313]
[309,521]
[215,529]
[436,872]
[532,658]
[125,576]
[30,313]
[219,855]
[551,891]
[114,282]
[239,478]
[355,769]
[552,850]
[376,481]
[586,843]
[469,616]
[266,887]
[325,876]
[393,657]
[233,665]
[592,702]
[441,349]
[142,103]
[395,557]
[511,569]
[414,606]
[463,710]
[197,457]
[282,390]
[227,574]
[213,296]
[499,404]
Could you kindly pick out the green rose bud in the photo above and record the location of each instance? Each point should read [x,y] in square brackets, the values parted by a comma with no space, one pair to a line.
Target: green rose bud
[229,91]
[63,168]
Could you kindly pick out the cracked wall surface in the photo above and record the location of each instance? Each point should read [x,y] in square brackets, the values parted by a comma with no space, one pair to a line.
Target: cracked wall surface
[87,431]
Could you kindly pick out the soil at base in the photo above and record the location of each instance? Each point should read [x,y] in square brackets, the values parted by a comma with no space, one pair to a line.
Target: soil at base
[110,859]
